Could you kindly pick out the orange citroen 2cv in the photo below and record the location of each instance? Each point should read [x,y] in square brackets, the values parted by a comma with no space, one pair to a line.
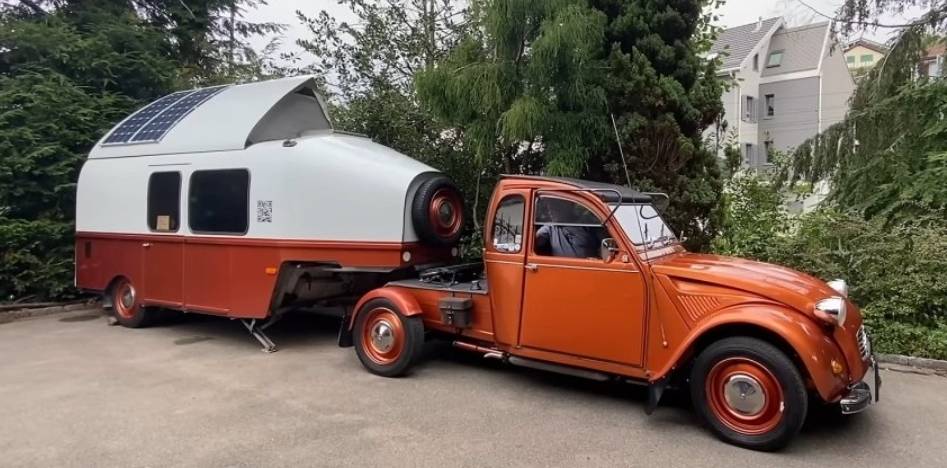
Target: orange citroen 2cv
[242,201]
[586,279]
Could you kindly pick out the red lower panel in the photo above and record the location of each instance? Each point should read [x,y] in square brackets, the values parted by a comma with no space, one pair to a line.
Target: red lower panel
[219,275]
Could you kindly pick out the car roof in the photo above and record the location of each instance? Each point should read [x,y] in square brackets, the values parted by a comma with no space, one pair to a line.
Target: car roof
[608,192]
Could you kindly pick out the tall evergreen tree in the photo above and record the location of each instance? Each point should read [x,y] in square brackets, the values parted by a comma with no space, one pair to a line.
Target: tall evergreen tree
[663,94]
[210,37]
[524,83]
[536,83]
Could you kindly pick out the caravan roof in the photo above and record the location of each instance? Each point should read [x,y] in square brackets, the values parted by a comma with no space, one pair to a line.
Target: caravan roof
[218,118]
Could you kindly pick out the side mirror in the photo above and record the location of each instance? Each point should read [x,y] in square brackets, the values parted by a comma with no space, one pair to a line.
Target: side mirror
[608,249]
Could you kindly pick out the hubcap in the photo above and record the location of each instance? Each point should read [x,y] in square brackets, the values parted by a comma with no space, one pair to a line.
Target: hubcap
[445,212]
[128,298]
[744,394]
[125,300]
[383,335]
[383,338]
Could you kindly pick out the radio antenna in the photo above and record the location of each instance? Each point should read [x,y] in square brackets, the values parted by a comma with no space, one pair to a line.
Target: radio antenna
[624,163]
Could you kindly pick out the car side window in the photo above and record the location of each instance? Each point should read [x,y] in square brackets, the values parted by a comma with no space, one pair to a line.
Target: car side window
[508,224]
[565,228]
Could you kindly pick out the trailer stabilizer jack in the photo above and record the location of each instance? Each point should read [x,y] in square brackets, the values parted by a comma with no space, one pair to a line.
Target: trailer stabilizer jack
[257,332]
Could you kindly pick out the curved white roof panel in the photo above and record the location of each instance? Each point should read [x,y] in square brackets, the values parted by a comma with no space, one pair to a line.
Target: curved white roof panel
[218,118]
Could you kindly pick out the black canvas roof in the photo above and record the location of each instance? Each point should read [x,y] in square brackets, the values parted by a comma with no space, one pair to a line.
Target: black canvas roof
[608,192]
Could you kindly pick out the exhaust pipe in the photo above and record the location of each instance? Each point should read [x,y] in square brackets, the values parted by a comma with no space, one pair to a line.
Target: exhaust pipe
[488,353]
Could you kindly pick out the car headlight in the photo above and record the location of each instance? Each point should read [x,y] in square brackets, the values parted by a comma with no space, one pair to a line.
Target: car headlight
[840,286]
[831,310]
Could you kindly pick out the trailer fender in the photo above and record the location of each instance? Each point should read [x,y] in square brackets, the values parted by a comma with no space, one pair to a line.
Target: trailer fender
[812,348]
[405,302]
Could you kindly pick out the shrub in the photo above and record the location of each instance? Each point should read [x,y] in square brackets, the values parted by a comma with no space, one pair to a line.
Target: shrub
[36,259]
[895,271]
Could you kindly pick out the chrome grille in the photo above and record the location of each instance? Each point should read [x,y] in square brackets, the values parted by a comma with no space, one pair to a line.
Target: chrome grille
[864,344]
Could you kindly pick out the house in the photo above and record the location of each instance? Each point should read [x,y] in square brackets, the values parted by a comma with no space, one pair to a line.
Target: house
[787,85]
[863,54]
[932,62]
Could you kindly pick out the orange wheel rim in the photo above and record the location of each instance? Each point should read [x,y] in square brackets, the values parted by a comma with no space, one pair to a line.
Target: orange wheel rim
[124,300]
[745,396]
[446,212]
[383,336]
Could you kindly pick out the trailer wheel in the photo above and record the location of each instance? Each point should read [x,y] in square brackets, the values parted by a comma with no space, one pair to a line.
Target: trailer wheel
[126,306]
[749,393]
[438,212]
[386,342]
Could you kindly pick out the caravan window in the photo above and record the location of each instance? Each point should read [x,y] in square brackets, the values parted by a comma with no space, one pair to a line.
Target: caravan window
[218,201]
[164,201]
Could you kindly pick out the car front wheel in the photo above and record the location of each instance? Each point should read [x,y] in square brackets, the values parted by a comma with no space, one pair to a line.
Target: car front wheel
[749,393]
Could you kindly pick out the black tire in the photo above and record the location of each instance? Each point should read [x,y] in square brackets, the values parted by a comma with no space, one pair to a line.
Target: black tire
[438,232]
[126,307]
[774,429]
[407,345]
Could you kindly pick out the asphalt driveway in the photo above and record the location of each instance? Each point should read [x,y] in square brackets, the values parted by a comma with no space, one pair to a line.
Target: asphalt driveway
[198,392]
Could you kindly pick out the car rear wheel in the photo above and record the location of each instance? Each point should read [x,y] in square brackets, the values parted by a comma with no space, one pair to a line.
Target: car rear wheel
[749,393]
[387,342]
[126,307]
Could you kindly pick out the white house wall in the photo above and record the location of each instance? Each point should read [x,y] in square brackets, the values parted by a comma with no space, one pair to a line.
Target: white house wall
[796,113]
[837,88]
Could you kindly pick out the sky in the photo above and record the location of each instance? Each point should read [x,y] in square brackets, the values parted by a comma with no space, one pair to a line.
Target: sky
[732,13]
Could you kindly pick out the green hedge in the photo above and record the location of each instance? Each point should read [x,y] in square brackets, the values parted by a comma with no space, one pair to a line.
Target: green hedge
[897,273]
[36,259]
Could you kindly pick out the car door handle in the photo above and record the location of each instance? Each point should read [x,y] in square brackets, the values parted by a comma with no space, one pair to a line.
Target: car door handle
[532,267]
[146,244]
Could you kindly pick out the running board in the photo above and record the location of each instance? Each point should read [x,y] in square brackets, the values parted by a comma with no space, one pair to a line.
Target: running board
[257,332]
[566,370]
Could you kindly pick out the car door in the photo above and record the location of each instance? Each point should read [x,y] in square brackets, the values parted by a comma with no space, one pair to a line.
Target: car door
[575,302]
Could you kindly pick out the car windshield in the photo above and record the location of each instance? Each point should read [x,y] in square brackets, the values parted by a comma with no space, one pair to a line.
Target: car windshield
[644,225]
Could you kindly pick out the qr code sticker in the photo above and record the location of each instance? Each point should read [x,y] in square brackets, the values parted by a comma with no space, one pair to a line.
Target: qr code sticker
[264,211]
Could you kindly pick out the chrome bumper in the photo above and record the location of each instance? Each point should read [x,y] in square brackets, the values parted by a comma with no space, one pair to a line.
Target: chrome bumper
[864,393]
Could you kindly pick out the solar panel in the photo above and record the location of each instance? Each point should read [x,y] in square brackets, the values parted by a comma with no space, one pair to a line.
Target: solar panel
[155,129]
[129,127]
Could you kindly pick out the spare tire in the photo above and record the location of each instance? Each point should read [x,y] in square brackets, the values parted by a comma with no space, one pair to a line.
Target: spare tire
[437,212]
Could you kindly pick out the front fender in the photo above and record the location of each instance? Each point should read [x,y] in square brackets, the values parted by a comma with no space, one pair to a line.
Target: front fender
[402,299]
[813,347]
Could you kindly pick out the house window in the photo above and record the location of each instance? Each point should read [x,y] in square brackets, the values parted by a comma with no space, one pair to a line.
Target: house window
[748,153]
[770,103]
[219,200]
[508,225]
[767,150]
[867,58]
[850,59]
[164,201]
[756,62]
[932,69]
[775,59]
[749,109]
